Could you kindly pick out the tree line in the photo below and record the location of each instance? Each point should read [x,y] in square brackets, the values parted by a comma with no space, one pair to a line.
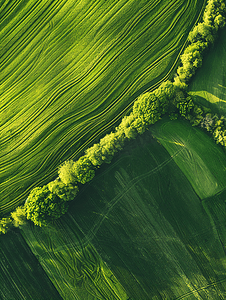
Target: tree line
[48,203]
[199,39]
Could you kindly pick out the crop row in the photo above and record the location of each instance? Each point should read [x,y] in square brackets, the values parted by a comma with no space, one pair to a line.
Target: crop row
[66,85]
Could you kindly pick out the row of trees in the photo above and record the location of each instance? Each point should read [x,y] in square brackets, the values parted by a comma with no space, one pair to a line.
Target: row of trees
[199,39]
[47,203]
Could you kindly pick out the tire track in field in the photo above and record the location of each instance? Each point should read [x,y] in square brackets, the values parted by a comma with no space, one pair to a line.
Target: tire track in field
[67,263]
[88,237]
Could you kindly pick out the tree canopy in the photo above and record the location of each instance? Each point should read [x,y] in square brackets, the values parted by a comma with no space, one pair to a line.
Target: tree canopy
[43,207]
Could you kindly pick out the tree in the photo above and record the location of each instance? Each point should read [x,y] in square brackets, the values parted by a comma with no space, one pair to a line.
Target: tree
[214,14]
[94,154]
[219,21]
[207,122]
[63,191]
[83,170]
[179,82]
[19,216]
[165,93]
[147,109]
[202,33]
[127,127]
[111,144]
[185,107]
[66,172]
[43,207]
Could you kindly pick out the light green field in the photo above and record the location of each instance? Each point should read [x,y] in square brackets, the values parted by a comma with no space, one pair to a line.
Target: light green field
[70,70]
[147,224]
[201,160]
[209,83]
[21,275]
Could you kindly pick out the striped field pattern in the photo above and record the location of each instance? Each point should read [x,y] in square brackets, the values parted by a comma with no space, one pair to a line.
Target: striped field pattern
[70,70]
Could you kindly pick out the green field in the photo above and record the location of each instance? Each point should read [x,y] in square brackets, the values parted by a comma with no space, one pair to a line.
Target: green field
[21,274]
[152,224]
[202,161]
[74,267]
[70,70]
[209,83]
[142,218]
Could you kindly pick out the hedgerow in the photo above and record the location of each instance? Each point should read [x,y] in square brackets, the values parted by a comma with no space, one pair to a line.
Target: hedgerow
[199,39]
[48,203]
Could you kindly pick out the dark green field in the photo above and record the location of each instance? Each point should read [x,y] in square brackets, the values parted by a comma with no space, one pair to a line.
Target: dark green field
[21,275]
[70,70]
[145,221]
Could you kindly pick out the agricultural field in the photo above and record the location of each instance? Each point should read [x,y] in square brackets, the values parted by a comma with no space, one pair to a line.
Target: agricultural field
[151,224]
[209,82]
[21,275]
[70,70]
[141,219]
[197,155]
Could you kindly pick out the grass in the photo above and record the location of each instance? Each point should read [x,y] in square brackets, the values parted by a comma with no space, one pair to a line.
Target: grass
[21,274]
[209,82]
[70,70]
[146,223]
[201,160]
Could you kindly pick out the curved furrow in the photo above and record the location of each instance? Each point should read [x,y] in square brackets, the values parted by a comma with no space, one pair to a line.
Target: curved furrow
[5,13]
[83,76]
[35,27]
[46,104]
[86,87]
